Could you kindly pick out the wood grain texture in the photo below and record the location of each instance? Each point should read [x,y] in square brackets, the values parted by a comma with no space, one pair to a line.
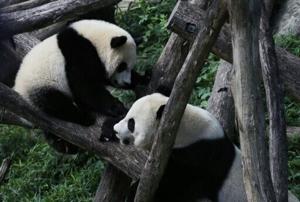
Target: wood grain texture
[166,134]
[288,64]
[46,14]
[24,5]
[113,186]
[220,103]
[4,168]
[248,100]
[128,159]
[278,148]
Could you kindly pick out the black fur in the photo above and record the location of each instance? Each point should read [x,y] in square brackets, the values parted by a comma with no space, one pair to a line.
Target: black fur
[107,131]
[160,111]
[197,171]
[194,172]
[118,41]
[86,75]
[131,125]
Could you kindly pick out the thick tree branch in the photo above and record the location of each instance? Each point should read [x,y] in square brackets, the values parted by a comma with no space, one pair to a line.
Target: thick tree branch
[114,186]
[274,95]
[24,5]
[247,99]
[186,16]
[41,16]
[127,159]
[175,107]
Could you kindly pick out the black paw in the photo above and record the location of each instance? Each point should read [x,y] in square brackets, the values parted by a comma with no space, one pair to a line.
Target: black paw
[147,76]
[107,133]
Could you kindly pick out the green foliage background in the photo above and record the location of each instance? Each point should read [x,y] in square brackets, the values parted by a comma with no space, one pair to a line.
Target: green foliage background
[40,174]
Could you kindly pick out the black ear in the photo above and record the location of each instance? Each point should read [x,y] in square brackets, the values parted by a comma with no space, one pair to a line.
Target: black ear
[160,112]
[118,41]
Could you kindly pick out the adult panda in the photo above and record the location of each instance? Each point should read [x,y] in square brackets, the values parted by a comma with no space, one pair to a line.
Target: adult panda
[67,74]
[204,164]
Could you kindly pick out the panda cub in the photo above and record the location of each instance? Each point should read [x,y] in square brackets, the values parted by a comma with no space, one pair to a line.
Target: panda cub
[67,74]
[204,164]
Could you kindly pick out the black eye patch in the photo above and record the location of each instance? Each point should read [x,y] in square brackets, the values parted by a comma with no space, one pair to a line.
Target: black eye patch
[131,124]
[122,67]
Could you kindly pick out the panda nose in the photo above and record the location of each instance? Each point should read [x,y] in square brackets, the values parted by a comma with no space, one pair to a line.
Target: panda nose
[126,141]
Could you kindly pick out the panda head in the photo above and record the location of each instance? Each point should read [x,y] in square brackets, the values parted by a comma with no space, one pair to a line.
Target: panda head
[141,122]
[115,46]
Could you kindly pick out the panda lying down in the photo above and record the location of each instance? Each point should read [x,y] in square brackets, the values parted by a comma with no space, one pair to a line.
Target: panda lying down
[204,164]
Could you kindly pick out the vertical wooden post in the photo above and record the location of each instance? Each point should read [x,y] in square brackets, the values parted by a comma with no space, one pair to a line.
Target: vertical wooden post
[245,16]
[274,95]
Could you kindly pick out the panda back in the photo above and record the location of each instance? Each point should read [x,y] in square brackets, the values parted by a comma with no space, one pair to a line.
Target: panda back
[43,66]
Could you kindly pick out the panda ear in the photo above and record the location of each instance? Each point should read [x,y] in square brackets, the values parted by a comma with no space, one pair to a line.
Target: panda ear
[160,112]
[118,41]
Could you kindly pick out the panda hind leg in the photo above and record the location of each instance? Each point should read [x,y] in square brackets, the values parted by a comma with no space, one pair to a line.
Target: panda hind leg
[61,106]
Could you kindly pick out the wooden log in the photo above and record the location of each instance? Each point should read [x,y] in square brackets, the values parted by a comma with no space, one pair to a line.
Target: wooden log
[278,148]
[220,103]
[128,159]
[9,118]
[247,99]
[113,186]
[53,12]
[165,138]
[169,64]
[289,65]
[4,168]
[24,5]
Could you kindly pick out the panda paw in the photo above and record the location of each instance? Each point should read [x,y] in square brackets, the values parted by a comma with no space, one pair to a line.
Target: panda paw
[107,133]
[88,119]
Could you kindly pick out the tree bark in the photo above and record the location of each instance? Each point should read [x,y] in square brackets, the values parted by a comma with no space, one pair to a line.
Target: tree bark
[24,5]
[247,99]
[165,138]
[127,159]
[274,96]
[4,168]
[220,103]
[185,16]
[41,16]
[113,186]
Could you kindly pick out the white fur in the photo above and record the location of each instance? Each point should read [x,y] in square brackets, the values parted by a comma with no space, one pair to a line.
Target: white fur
[196,123]
[44,65]
[100,34]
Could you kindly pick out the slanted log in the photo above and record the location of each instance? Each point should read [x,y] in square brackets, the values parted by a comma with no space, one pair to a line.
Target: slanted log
[4,168]
[128,159]
[288,64]
[166,134]
[53,12]
[248,101]
[24,5]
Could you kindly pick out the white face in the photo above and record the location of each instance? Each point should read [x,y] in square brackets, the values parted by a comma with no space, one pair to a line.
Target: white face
[115,46]
[141,122]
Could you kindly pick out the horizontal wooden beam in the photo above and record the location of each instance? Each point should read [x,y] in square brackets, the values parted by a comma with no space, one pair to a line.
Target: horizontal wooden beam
[46,14]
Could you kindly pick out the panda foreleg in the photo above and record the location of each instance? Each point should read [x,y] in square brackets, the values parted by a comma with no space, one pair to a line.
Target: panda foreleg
[59,105]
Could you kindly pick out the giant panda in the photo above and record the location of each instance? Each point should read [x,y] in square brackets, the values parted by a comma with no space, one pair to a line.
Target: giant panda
[67,74]
[204,164]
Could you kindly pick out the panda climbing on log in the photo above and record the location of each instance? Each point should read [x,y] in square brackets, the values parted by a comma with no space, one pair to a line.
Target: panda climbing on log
[204,164]
[67,75]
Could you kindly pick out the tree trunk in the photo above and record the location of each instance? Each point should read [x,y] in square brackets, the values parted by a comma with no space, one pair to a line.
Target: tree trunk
[274,96]
[247,99]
